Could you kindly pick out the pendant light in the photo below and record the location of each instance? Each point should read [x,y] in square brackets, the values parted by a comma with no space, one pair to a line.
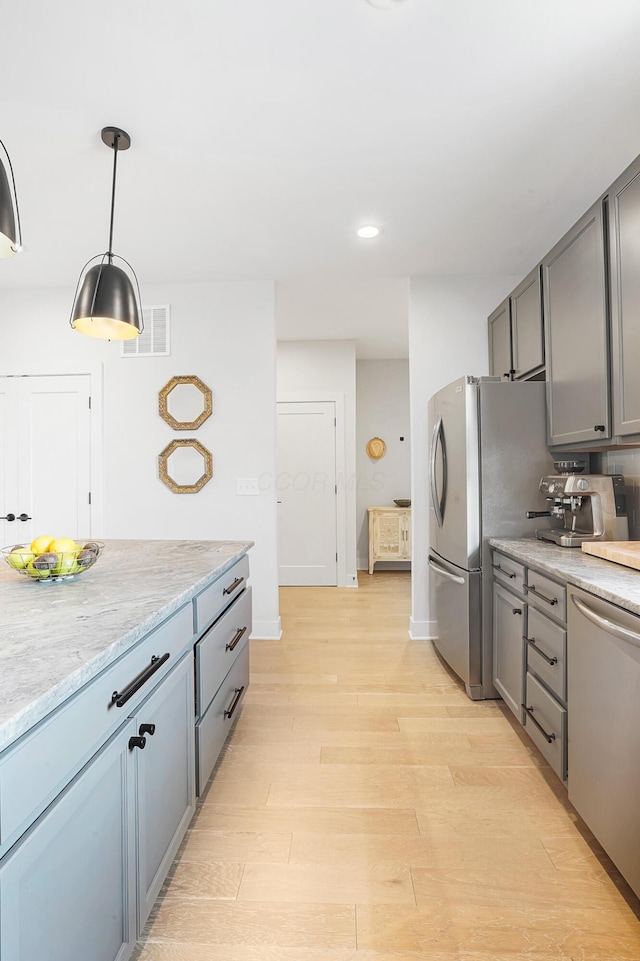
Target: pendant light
[107,301]
[10,233]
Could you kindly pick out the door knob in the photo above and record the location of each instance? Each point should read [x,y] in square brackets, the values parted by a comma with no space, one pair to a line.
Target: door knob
[23,517]
[8,517]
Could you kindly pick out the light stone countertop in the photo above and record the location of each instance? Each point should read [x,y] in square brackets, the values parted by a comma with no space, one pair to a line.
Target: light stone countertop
[54,637]
[612,582]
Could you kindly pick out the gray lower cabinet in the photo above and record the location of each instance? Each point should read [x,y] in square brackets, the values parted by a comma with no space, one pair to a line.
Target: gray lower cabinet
[576,315]
[624,230]
[500,342]
[508,648]
[165,779]
[67,890]
[527,332]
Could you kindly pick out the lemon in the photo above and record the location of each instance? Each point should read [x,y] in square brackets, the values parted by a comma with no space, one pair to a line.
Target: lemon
[41,544]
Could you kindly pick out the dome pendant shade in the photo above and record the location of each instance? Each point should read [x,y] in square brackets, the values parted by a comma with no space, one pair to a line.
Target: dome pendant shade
[10,240]
[107,301]
[107,304]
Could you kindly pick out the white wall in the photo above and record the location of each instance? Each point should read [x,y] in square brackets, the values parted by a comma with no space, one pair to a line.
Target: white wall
[224,333]
[382,410]
[328,367]
[447,339]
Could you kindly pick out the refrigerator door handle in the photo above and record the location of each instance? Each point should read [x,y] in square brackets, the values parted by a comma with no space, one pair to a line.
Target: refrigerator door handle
[438,436]
[440,570]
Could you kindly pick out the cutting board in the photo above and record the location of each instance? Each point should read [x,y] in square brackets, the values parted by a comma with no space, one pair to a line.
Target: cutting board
[620,552]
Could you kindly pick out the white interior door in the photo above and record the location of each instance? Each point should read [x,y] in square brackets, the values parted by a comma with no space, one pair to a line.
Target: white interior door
[306,485]
[8,460]
[45,478]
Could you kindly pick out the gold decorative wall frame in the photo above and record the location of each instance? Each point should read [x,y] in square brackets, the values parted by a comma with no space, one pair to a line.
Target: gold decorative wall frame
[163,402]
[198,484]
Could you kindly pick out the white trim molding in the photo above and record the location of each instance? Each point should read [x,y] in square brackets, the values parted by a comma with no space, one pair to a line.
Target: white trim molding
[266,630]
[422,630]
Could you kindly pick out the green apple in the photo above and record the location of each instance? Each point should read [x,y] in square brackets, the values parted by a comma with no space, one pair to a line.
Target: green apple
[19,558]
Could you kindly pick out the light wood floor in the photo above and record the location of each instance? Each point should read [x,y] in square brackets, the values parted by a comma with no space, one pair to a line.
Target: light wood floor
[366,810]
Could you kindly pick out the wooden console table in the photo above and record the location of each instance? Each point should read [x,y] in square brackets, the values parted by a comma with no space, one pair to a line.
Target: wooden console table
[389,534]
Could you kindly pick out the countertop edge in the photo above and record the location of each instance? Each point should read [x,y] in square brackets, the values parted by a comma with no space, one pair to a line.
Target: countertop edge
[37,710]
[605,579]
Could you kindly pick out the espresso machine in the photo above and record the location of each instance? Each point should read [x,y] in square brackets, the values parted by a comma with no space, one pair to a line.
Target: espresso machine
[591,507]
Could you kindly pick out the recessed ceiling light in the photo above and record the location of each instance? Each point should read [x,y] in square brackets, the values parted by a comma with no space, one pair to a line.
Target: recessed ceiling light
[385,4]
[368,232]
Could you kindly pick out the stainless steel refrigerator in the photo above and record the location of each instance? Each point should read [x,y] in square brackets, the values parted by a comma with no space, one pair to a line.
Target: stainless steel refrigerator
[487,454]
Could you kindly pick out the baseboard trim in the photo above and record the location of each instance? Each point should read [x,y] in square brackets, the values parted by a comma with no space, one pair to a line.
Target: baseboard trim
[422,630]
[267,630]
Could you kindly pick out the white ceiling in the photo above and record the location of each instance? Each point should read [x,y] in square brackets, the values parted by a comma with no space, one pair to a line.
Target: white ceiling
[474,132]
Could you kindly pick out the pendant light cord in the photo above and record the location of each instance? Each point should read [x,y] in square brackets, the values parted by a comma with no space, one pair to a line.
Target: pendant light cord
[113,196]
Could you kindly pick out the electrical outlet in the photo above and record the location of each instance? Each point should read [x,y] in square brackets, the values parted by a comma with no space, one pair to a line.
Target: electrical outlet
[247,487]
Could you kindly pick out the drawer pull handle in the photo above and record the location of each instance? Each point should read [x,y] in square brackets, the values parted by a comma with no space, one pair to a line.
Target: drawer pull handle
[233,643]
[532,641]
[149,729]
[120,699]
[497,567]
[549,738]
[135,742]
[543,597]
[234,586]
[516,610]
[236,698]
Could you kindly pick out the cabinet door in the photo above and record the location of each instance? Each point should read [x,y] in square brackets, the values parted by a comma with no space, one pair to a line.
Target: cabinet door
[508,648]
[406,527]
[388,526]
[165,779]
[9,460]
[624,230]
[527,337]
[575,314]
[67,890]
[500,342]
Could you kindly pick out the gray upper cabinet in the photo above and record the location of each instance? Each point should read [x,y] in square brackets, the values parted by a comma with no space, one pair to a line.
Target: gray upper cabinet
[527,336]
[624,231]
[500,342]
[575,309]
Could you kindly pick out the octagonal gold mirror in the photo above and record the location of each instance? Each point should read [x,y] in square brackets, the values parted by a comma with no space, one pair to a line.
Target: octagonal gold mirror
[185,402]
[185,466]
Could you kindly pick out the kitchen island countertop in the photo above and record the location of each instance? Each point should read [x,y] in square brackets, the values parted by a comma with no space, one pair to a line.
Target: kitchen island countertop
[55,637]
[612,582]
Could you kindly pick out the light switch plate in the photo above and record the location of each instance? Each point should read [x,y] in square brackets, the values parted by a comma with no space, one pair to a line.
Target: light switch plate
[247,487]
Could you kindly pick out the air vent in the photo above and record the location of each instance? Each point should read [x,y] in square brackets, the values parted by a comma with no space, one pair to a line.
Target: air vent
[154,340]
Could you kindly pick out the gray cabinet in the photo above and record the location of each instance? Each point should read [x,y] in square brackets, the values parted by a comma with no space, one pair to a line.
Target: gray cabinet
[500,342]
[67,888]
[624,230]
[508,648]
[165,779]
[575,309]
[527,336]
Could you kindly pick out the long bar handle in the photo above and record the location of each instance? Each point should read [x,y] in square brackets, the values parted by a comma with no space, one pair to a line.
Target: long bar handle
[233,586]
[235,640]
[444,573]
[120,699]
[549,738]
[497,567]
[631,637]
[437,431]
[532,641]
[237,695]
[543,597]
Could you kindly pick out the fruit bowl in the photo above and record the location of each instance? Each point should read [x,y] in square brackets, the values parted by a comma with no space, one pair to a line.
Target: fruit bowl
[403,502]
[49,566]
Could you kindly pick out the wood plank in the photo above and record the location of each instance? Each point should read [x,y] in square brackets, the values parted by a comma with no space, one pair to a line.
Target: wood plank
[626,553]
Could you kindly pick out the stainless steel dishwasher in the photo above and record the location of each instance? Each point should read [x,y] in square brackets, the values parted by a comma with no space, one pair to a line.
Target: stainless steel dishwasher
[603,701]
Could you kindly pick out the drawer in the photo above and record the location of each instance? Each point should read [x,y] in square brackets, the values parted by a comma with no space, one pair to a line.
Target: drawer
[547,595]
[214,728]
[508,572]
[219,647]
[547,642]
[213,599]
[550,731]
[36,769]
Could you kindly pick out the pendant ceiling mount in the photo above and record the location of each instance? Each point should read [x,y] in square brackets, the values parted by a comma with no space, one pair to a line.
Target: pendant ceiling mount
[107,301]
